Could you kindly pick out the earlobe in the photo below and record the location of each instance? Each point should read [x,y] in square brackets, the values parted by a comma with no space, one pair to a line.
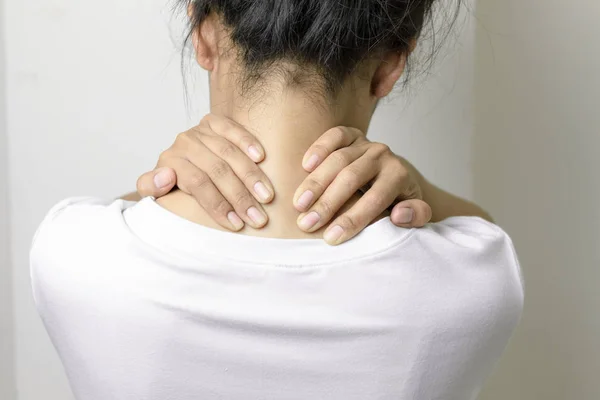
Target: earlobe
[387,74]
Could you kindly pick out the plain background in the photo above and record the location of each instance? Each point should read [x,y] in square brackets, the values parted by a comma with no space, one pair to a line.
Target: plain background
[6,303]
[536,158]
[508,118]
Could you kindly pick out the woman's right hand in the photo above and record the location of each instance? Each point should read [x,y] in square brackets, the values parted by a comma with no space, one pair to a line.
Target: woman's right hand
[216,162]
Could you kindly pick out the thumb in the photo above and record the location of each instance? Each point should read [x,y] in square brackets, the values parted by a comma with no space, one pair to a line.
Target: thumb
[156,183]
[411,214]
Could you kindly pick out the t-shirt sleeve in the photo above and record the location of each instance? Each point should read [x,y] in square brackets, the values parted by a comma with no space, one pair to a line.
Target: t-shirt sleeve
[57,241]
[484,239]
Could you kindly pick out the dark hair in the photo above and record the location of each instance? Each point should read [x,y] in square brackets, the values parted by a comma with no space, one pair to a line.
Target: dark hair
[331,37]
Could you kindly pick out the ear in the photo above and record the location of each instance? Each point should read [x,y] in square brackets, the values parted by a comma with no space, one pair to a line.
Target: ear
[204,40]
[387,74]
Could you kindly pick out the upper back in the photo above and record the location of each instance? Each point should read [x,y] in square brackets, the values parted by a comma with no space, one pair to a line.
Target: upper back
[142,304]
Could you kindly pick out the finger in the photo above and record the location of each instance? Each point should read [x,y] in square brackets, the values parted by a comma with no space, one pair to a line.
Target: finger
[346,184]
[332,140]
[156,183]
[313,187]
[193,181]
[370,206]
[411,214]
[236,134]
[231,187]
[245,169]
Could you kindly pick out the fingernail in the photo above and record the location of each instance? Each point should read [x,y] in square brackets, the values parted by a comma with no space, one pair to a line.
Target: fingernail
[255,154]
[306,199]
[262,191]
[334,234]
[256,216]
[309,220]
[235,220]
[162,179]
[405,216]
[312,162]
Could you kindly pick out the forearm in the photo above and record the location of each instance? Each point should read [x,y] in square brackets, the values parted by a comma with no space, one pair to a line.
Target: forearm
[443,204]
[131,197]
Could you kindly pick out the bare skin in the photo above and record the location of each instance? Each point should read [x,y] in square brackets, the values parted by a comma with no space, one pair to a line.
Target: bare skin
[287,127]
[287,123]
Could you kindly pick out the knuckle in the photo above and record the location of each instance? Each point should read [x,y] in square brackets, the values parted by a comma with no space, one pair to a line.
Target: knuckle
[351,178]
[381,148]
[242,198]
[349,223]
[355,133]
[221,207]
[198,180]
[338,133]
[378,201]
[206,120]
[315,185]
[184,137]
[326,208]
[402,174]
[227,150]
[340,158]
[220,125]
[197,133]
[219,169]
[181,136]
[228,123]
[162,158]
[319,148]
[412,192]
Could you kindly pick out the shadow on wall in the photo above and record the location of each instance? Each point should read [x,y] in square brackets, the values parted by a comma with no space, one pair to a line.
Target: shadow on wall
[536,147]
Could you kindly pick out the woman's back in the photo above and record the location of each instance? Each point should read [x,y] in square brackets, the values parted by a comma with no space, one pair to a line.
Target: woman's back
[142,304]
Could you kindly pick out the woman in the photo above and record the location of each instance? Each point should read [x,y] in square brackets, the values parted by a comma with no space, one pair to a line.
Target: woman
[152,300]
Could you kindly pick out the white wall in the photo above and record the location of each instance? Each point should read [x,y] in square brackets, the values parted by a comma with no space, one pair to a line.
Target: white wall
[537,157]
[94,94]
[7,381]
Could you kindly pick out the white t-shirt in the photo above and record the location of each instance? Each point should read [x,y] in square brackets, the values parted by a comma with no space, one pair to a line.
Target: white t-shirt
[144,305]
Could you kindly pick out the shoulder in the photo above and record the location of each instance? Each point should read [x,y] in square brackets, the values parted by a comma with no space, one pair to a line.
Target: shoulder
[472,265]
[473,245]
[73,231]
[473,234]
[74,217]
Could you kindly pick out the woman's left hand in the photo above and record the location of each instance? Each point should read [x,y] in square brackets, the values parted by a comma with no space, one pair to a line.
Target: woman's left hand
[342,162]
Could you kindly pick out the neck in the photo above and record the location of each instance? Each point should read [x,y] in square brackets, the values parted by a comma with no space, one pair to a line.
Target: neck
[287,125]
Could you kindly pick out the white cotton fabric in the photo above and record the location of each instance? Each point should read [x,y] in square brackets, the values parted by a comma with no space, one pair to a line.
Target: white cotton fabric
[142,304]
